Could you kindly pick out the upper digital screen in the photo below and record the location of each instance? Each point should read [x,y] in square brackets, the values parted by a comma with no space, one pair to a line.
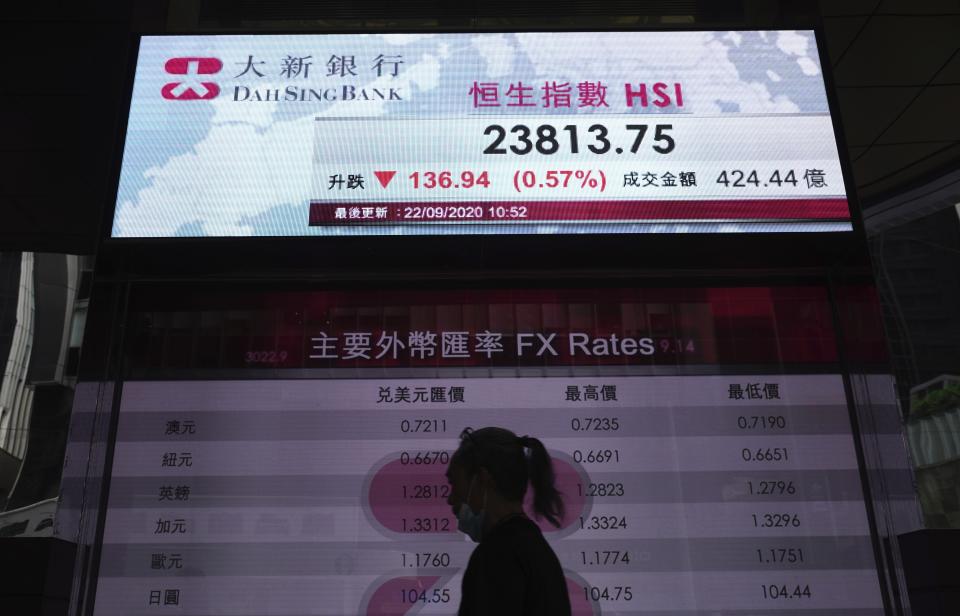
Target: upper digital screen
[457,134]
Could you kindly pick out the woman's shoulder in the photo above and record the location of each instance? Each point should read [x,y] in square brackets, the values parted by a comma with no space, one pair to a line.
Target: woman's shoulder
[516,534]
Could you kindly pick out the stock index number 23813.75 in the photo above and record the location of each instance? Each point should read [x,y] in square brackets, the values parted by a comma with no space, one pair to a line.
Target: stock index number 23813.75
[522,139]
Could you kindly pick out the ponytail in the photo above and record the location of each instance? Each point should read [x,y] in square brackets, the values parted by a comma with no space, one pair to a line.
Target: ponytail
[513,462]
[547,501]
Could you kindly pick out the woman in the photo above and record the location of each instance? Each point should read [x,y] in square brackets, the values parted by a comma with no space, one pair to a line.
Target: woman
[513,570]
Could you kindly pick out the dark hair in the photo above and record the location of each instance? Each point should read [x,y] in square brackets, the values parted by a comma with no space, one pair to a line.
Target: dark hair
[505,456]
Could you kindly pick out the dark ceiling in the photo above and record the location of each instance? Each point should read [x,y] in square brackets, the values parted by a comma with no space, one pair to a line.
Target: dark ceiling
[896,65]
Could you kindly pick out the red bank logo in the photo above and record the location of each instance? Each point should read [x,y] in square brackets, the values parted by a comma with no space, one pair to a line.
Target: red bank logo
[192,88]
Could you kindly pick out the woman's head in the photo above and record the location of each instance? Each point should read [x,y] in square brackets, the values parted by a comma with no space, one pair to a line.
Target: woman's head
[496,462]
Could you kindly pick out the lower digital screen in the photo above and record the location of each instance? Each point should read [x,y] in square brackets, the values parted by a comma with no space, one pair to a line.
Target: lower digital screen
[685,495]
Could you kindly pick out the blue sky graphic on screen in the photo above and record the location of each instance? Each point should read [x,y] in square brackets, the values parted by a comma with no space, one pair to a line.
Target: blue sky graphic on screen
[452,134]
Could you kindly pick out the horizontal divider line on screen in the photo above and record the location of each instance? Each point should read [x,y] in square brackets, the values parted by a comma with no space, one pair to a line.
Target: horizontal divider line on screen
[582,211]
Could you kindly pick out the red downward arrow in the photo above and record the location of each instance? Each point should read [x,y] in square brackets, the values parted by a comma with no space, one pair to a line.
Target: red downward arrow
[384,177]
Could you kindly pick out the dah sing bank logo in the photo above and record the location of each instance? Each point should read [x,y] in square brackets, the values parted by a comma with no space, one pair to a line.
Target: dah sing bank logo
[192,87]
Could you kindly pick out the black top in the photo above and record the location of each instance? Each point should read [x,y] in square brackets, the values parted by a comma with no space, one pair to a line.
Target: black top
[514,571]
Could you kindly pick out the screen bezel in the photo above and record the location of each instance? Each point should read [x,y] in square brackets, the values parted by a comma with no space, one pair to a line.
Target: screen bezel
[485,252]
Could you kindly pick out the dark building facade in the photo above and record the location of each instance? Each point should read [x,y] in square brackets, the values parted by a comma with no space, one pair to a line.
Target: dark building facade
[266,318]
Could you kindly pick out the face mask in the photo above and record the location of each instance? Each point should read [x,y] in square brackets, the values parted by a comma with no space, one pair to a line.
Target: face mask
[469,522]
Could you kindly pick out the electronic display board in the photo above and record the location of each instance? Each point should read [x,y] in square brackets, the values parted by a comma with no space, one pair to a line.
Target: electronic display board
[479,133]
[700,476]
